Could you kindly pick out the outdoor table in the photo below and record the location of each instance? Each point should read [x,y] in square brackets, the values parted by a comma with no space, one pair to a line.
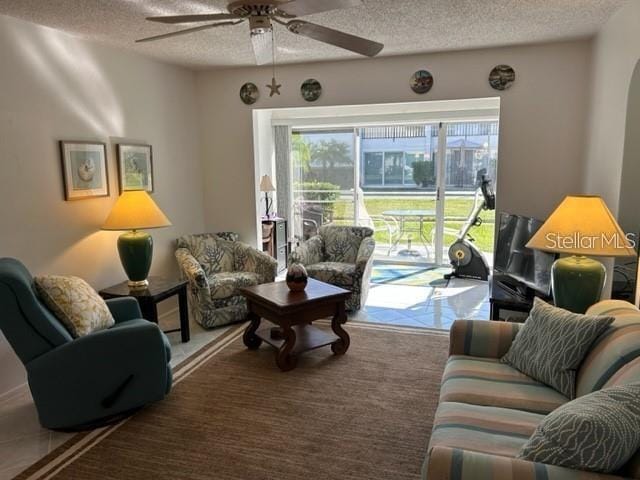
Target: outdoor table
[403,215]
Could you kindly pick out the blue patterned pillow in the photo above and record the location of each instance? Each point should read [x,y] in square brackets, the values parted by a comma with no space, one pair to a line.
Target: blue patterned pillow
[552,343]
[598,432]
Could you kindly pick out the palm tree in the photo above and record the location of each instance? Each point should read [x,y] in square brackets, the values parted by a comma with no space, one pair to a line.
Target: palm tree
[330,152]
[300,152]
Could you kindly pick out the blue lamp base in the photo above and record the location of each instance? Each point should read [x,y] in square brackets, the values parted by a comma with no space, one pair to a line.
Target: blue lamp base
[577,282]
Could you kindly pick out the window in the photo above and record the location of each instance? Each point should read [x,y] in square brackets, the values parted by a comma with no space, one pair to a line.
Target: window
[393,168]
[373,168]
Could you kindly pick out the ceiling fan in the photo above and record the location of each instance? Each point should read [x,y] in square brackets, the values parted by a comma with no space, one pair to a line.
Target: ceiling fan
[261,14]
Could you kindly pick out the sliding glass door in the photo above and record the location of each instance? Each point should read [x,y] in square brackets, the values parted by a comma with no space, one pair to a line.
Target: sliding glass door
[472,151]
[323,176]
[396,180]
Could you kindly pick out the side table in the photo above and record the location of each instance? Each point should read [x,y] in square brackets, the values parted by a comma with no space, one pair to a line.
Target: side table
[159,289]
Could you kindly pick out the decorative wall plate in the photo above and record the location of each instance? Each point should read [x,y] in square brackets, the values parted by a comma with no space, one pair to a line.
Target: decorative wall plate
[421,81]
[502,77]
[249,93]
[311,90]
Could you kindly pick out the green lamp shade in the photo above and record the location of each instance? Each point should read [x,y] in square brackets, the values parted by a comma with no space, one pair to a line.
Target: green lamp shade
[136,252]
[577,282]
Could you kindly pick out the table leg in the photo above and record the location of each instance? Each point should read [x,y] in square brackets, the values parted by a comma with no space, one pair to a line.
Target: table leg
[494,312]
[251,340]
[284,358]
[184,315]
[340,347]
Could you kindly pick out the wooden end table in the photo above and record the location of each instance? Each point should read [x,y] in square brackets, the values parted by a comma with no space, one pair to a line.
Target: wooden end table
[159,289]
[293,312]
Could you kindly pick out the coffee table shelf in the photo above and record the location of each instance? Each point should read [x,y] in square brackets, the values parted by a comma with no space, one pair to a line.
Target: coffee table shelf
[308,338]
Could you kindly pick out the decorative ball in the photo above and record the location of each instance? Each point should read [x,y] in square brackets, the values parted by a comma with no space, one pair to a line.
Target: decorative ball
[297,277]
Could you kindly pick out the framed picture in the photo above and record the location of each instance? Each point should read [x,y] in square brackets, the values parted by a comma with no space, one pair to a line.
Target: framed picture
[84,170]
[135,167]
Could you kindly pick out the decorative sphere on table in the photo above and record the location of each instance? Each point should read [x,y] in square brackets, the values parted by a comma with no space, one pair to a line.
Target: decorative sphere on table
[297,277]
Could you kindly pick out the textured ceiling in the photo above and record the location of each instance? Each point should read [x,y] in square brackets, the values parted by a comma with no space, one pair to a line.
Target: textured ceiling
[404,26]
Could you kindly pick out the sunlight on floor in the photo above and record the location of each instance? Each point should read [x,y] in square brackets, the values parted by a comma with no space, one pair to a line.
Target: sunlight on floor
[429,307]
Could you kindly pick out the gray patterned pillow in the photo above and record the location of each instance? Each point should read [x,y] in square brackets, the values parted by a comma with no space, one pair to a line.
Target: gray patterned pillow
[552,343]
[598,432]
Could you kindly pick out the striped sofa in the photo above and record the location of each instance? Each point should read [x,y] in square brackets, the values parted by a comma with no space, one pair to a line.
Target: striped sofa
[488,410]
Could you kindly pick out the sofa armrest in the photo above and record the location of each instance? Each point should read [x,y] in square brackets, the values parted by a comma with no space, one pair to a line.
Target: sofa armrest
[249,259]
[309,252]
[446,463]
[191,269]
[365,255]
[613,308]
[481,338]
[124,309]
[100,374]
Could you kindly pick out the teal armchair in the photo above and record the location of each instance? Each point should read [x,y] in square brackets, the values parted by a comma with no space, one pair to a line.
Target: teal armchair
[88,381]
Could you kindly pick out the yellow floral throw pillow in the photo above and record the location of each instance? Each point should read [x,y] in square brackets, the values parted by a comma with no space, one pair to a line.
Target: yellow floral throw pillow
[72,300]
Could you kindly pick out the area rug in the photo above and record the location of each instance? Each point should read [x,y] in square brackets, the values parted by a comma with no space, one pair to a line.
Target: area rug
[232,415]
[415,276]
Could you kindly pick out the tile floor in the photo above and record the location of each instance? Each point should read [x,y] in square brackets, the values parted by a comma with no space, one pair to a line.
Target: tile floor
[23,441]
[432,307]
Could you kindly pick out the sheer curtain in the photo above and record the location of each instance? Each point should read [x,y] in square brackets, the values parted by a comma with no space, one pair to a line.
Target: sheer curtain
[282,148]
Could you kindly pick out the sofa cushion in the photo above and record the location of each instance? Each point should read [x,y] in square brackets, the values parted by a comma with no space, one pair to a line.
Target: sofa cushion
[227,284]
[342,243]
[72,300]
[335,273]
[618,346]
[598,432]
[552,343]
[493,430]
[486,381]
[212,252]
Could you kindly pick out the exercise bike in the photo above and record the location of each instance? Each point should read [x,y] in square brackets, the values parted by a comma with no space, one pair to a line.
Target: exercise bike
[466,259]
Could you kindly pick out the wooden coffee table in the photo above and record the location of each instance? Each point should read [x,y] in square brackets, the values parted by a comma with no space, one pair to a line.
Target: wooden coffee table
[293,312]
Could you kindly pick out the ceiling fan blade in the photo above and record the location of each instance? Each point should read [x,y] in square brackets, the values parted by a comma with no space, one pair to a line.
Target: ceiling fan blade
[186,31]
[340,39]
[298,8]
[262,47]
[214,17]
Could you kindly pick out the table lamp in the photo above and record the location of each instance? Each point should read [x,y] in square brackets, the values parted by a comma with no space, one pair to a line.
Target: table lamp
[135,211]
[581,225]
[266,186]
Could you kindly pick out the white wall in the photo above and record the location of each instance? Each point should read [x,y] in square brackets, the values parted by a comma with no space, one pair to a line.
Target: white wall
[628,211]
[543,119]
[54,86]
[615,56]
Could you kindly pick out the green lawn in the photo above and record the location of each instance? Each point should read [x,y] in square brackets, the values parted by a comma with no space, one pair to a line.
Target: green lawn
[456,211]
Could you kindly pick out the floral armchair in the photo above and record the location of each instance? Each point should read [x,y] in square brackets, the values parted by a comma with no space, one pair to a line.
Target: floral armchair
[217,266]
[341,256]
